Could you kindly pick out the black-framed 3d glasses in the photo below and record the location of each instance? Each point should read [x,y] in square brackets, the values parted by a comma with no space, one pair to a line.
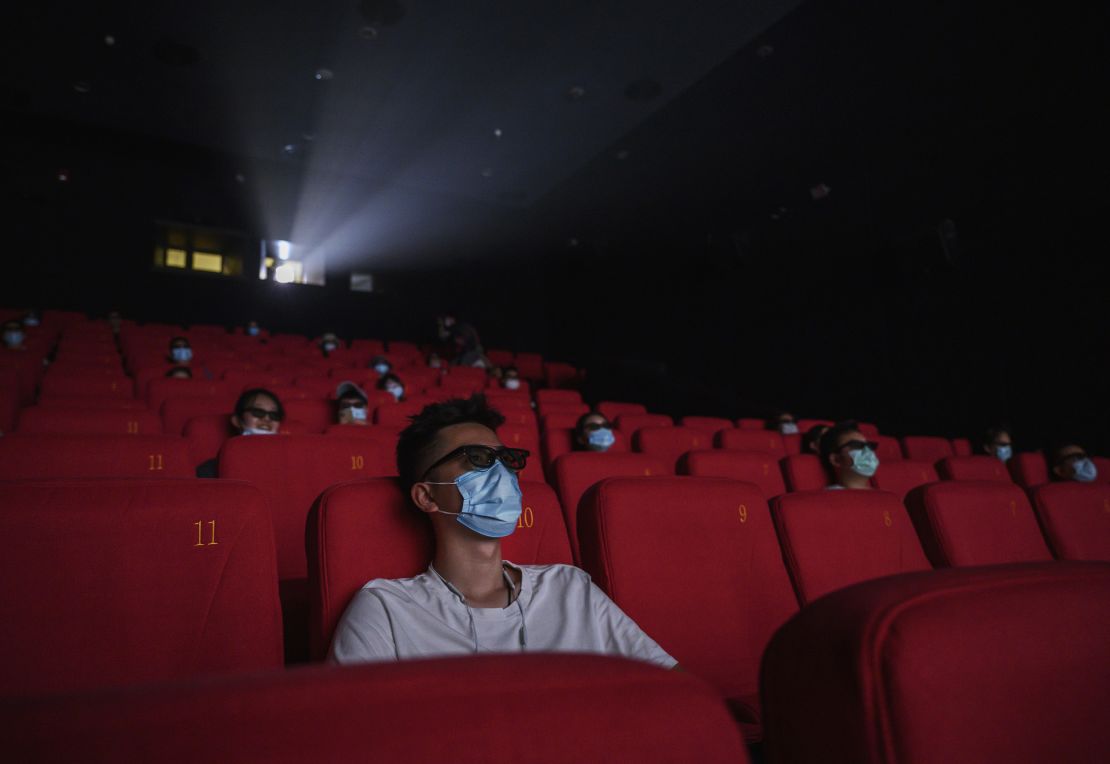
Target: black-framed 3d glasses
[483,457]
[257,413]
[855,445]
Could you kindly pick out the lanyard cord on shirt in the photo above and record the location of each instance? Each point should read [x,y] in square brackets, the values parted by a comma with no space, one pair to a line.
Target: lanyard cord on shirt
[470,613]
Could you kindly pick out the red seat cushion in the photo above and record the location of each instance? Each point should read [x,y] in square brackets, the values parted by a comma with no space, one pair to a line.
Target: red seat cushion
[127,581]
[1075,518]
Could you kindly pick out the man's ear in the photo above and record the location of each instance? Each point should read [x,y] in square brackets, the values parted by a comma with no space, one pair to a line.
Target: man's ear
[834,460]
[1058,471]
[236,422]
[421,496]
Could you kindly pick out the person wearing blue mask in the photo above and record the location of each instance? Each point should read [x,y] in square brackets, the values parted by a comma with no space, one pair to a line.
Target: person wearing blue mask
[351,404]
[470,600]
[14,335]
[593,432]
[998,443]
[181,353]
[784,423]
[253,329]
[381,365]
[393,385]
[1070,462]
[850,456]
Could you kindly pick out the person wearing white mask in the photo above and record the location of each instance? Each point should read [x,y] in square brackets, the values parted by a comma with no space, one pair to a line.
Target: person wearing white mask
[998,443]
[257,412]
[850,456]
[381,365]
[592,432]
[351,404]
[784,423]
[510,378]
[470,600]
[392,384]
[1070,462]
[329,343]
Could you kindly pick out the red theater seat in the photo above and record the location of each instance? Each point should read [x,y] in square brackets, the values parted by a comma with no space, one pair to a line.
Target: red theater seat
[710,424]
[756,467]
[630,423]
[992,665]
[560,420]
[116,385]
[976,523]
[315,414]
[961,447]
[1075,518]
[1102,464]
[565,708]
[804,472]
[160,389]
[712,580]
[924,448]
[133,581]
[92,402]
[805,425]
[500,357]
[399,414]
[560,375]
[1029,469]
[974,468]
[557,442]
[578,470]
[376,431]
[569,409]
[612,409]
[9,400]
[89,456]
[669,443]
[768,441]
[572,397]
[358,532]
[868,429]
[901,477]
[833,539]
[529,365]
[750,423]
[889,450]
[40,420]
[245,380]
[176,412]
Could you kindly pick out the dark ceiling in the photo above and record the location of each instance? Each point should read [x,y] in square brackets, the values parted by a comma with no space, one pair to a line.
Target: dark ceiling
[412,130]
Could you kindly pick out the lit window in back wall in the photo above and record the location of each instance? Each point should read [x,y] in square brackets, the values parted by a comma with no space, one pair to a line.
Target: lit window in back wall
[175,258]
[208,261]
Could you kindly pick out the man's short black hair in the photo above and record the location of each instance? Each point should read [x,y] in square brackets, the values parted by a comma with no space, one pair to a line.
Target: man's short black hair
[183,339]
[250,395]
[811,441]
[828,440]
[386,378]
[990,435]
[1055,450]
[419,437]
[580,425]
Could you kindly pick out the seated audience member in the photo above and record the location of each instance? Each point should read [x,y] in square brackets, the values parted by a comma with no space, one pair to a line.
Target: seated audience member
[849,455]
[434,361]
[180,372]
[381,365]
[350,404]
[392,384]
[784,423]
[510,378]
[253,329]
[14,335]
[181,352]
[468,348]
[811,441]
[470,600]
[115,321]
[592,432]
[445,327]
[31,320]
[329,343]
[1070,462]
[257,412]
[997,443]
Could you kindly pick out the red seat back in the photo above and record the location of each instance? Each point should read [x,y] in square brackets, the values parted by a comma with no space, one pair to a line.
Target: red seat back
[711,424]
[293,470]
[129,581]
[651,565]
[176,412]
[630,423]
[832,539]
[578,470]
[804,472]
[992,665]
[756,467]
[612,409]
[362,531]
[1075,518]
[315,414]
[39,420]
[889,450]
[558,396]
[976,523]
[1028,469]
[974,468]
[751,440]
[91,456]
[924,448]
[669,443]
[116,385]
[158,390]
[901,477]
[961,447]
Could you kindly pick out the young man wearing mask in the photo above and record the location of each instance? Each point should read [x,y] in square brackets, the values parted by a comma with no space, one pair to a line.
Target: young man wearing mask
[592,432]
[850,456]
[257,412]
[1070,462]
[784,423]
[381,365]
[470,600]
[997,443]
[350,404]
[329,343]
[392,384]
[181,353]
[510,378]
[14,335]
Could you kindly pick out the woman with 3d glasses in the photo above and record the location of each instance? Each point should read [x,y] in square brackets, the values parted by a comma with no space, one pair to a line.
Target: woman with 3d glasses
[257,412]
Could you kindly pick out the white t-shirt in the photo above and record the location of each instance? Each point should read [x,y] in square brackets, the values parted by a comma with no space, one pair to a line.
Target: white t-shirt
[558,609]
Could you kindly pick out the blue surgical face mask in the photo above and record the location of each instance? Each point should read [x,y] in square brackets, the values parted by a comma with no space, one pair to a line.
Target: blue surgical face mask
[13,339]
[492,501]
[358,413]
[1085,470]
[381,368]
[601,438]
[30,321]
[330,346]
[864,462]
[512,383]
[1004,452]
[788,428]
[252,331]
[182,354]
[257,431]
[396,391]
